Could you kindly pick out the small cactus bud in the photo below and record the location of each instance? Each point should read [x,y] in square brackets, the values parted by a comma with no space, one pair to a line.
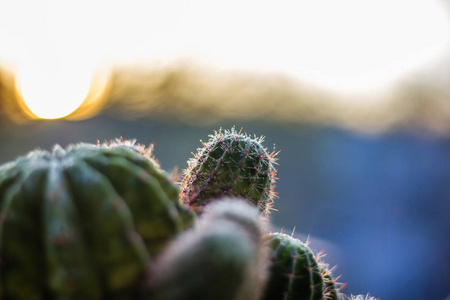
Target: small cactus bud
[231,163]
[296,273]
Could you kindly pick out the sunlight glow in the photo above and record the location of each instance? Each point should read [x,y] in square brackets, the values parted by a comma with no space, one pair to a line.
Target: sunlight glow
[347,46]
[53,55]
[52,91]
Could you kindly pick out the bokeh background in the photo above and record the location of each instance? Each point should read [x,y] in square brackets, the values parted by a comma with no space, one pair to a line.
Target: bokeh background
[355,94]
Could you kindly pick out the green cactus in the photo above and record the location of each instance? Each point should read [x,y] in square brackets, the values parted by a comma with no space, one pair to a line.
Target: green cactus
[330,284]
[231,163]
[84,222]
[105,222]
[222,258]
[296,273]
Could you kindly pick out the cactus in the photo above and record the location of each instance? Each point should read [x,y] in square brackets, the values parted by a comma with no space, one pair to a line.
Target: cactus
[84,222]
[105,222]
[296,273]
[231,163]
[330,284]
[222,258]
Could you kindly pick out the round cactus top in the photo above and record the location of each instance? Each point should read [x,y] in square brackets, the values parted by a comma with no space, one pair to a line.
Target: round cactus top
[296,273]
[234,164]
[85,221]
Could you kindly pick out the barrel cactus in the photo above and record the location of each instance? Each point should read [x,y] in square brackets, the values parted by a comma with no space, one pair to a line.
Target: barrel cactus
[231,163]
[84,222]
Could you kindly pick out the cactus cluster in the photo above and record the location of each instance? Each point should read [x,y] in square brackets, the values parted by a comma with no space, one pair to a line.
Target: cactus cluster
[106,222]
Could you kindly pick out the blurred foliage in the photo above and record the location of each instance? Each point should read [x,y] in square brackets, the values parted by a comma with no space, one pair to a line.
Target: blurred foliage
[201,95]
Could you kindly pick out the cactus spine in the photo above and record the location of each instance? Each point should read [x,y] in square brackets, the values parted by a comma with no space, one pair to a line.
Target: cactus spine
[231,163]
[330,289]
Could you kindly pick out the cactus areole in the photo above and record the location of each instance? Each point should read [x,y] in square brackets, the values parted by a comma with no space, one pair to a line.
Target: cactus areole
[84,222]
[231,163]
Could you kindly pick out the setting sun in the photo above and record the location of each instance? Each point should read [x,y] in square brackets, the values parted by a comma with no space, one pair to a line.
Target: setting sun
[53,91]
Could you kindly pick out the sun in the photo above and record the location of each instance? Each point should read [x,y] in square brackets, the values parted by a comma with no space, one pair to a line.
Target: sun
[53,50]
[53,90]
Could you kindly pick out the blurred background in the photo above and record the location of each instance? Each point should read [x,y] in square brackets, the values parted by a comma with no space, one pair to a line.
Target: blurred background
[355,94]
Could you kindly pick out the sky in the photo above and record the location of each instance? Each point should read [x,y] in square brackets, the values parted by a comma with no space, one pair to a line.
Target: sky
[347,47]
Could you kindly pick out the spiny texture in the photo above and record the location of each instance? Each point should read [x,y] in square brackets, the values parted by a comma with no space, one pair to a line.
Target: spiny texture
[83,223]
[222,258]
[330,284]
[231,163]
[146,152]
[360,297]
[296,273]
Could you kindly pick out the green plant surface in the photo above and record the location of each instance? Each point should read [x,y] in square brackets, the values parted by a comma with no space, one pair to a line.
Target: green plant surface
[231,163]
[84,222]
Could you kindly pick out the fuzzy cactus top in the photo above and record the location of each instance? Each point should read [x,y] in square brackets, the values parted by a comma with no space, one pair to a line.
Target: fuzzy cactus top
[231,163]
